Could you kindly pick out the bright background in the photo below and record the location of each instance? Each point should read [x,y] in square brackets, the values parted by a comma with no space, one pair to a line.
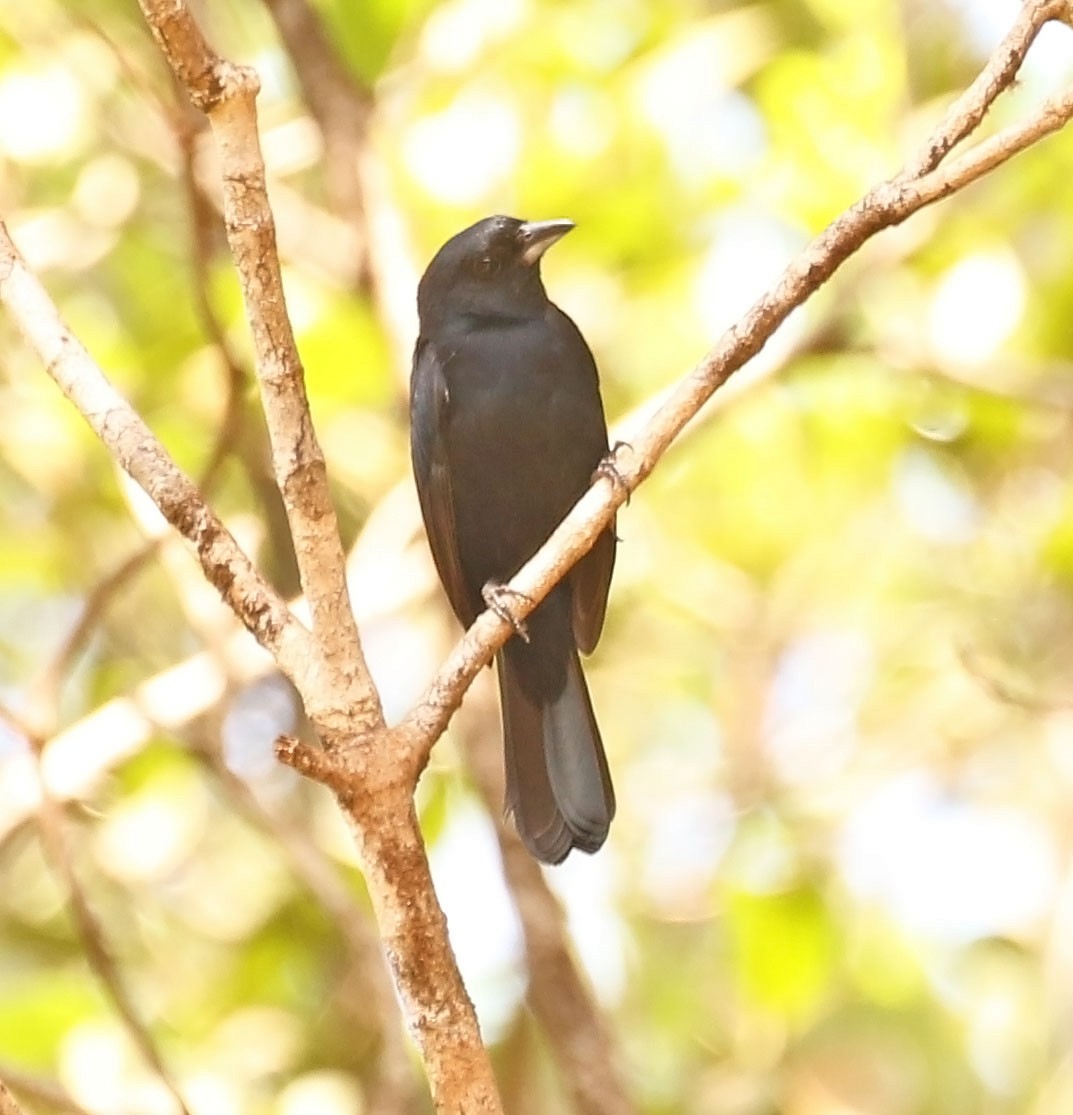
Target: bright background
[835,680]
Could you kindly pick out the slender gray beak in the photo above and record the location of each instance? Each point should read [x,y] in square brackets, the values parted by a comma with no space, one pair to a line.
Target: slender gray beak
[536,237]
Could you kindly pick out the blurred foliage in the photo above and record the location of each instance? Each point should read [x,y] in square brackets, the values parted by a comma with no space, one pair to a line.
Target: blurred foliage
[834,682]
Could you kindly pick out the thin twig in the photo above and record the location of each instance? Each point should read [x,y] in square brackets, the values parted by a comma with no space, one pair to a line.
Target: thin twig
[77,757]
[341,107]
[1007,692]
[95,947]
[94,940]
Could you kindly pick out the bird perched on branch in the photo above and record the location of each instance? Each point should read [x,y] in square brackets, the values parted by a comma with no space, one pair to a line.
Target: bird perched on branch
[507,429]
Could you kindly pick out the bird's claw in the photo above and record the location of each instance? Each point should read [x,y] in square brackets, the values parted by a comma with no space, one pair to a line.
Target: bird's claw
[608,470]
[497,598]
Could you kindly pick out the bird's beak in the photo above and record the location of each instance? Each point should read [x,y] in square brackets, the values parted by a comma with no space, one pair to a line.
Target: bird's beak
[536,237]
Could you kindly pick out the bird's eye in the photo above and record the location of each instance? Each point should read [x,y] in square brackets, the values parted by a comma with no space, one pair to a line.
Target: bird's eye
[486,266]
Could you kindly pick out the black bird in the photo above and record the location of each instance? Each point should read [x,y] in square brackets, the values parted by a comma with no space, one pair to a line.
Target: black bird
[507,428]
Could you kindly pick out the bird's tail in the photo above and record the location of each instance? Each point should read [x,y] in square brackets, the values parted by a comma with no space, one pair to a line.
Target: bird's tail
[558,784]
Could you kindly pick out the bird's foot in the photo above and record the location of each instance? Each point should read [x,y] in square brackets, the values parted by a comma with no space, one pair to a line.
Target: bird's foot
[498,598]
[608,469]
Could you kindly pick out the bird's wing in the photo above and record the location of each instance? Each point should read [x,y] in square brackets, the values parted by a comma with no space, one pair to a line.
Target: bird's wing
[429,400]
[590,581]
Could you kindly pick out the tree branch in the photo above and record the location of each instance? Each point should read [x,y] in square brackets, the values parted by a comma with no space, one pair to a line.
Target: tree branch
[966,114]
[920,183]
[377,791]
[134,447]
[46,687]
[226,93]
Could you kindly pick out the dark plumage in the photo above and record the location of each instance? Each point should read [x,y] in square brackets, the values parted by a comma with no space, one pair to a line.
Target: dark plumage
[507,428]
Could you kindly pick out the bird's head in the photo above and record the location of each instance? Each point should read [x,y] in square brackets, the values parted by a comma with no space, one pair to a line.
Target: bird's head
[489,270]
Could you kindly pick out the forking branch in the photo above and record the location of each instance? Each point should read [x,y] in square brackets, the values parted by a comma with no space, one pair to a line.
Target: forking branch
[373,768]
